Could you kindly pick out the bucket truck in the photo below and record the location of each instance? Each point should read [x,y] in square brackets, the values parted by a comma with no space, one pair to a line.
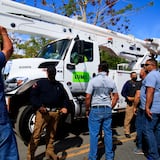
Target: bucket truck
[74,51]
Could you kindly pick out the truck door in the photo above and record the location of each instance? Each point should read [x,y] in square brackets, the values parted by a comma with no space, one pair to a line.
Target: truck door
[80,66]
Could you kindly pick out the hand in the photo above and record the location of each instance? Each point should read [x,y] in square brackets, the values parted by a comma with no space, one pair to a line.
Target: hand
[42,109]
[87,113]
[3,30]
[64,110]
[135,110]
[148,112]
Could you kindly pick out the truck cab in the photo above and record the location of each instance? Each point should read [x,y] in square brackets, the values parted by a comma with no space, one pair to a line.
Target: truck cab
[76,62]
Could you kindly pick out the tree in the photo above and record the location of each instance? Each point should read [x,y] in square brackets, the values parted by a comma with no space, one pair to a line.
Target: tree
[33,46]
[110,14]
[105,13]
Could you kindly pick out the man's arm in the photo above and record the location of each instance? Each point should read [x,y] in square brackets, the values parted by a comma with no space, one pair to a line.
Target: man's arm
[34,96]
[149,99]
[88,103]
[136,100]
[7,46]
[65,107]
[124,90]
[115,98]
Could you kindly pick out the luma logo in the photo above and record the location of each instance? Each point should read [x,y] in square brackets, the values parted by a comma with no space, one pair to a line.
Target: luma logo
[80,76]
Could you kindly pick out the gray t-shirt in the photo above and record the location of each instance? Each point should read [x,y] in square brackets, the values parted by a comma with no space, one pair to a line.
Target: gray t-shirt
[101,88]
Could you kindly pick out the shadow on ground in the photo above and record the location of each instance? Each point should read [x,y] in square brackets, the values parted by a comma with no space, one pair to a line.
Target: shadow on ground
[78,127]
[63,145]
[63,141]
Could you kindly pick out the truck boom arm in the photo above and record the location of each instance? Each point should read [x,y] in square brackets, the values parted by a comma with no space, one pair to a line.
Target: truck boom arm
[26,19]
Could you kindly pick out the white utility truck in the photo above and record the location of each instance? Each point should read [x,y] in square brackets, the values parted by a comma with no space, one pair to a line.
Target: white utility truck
[75,52]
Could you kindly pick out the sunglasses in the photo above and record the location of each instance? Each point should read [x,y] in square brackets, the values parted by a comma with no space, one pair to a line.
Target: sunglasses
[147,64]
[143,65]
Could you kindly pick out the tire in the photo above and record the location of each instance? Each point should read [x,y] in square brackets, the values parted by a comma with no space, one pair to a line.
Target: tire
[25,123]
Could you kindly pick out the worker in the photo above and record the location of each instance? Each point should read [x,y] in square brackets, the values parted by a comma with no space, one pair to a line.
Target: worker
[49,97]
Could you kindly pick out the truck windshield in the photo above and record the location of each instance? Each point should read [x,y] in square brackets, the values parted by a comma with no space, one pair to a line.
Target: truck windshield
[54,50]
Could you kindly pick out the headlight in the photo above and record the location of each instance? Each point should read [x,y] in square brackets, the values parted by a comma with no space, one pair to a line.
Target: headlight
[14,83]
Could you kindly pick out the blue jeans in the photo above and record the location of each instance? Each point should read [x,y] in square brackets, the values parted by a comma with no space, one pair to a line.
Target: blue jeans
[139,127]
[8,145]
[152,135]
[100,116]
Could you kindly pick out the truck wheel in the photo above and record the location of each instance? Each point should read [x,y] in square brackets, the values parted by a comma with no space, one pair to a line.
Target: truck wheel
[25,123]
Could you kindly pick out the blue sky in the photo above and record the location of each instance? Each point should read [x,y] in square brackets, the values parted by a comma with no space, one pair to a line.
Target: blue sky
[146,23]
[143,24]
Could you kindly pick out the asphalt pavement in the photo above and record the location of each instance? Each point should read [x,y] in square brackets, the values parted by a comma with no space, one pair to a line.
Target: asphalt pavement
[75,144]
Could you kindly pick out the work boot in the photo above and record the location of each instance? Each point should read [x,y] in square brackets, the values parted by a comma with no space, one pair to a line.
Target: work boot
[63,157]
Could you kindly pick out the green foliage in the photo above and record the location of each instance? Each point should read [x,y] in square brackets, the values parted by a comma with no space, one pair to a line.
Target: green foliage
[33,46]
[69,8]
[111,59]
[15,56]
[123,10]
